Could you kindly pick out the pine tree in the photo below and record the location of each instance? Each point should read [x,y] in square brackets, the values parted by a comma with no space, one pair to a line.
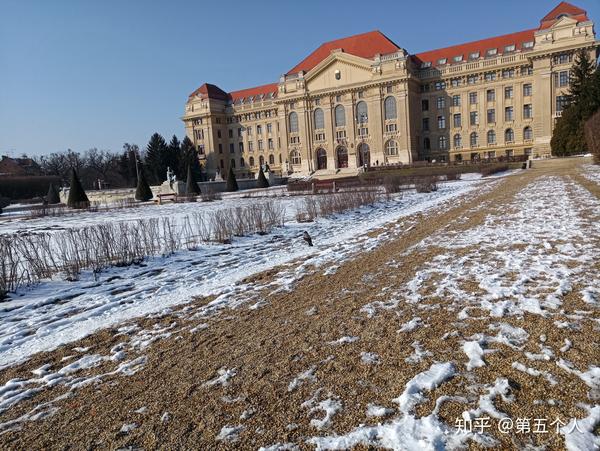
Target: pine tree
[143,192]
[192,187]
[156,158]
[231,181]
[189,157]
[568,136]
[52,197]
[261,181]
[172,157]
[77,197]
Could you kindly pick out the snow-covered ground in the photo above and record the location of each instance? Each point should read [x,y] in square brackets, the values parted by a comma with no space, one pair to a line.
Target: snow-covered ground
[591,172]
[56,312]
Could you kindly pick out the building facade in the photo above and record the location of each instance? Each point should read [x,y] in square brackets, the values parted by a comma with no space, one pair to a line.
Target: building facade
[364,101]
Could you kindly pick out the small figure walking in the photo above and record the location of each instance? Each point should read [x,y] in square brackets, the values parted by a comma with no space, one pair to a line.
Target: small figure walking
[307,238]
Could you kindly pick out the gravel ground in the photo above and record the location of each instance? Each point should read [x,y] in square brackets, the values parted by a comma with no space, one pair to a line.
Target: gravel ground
[267,374]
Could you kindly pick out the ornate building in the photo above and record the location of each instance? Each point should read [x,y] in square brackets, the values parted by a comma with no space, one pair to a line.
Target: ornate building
[363,100]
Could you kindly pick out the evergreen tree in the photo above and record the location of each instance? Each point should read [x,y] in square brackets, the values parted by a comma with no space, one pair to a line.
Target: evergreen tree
[231,181]
[189,157]
[156,158]
[192,187]
[172,157]
[143,192]
[569,132]
[52,197]
[77,197]
[261,181]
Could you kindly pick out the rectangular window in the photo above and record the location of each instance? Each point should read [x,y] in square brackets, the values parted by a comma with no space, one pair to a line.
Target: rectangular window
[250,146]
[563,78]
[490,76]
[474,56]
[491,95]
[241,145]
[269,128]
[472,98]
[230,133]
[439,85]
[249,130]
[456,100]
[491,116]
[561,103]
[472,79]
[340,134]
[231,148]
[527,111]
[457,120]
[219,134]
[220,148]
[317,102]
[239,132]
[441,122]
[361,94]
[259,129]
[527,45]
[425,105]
[363,131]
[473,118]
[509,114]
[425,124]
[456,82]
[390,128]
[338,98]
[509,48]
[270,143]
[491,52]
[527,90]
[508,73]
[201,149]
[508,92]
[441,103]
[320,136]
[260,144]
[389,89]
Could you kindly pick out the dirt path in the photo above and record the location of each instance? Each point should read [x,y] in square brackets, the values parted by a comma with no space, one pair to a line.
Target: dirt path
[509,276]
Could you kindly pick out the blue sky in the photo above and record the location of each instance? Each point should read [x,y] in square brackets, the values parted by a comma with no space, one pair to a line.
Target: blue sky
[80,74]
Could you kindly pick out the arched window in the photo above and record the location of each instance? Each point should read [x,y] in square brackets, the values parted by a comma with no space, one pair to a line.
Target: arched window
[342,157]
[491,137]
[426,144]
[527,133]
[251,161]
[361,112]
[233,163]
[319,119]
[340,116]
[271,159]
[442,143]
[242,162]
[261,160]
[474,139]
[391,147]
[457,141]
[295,157]
[389,108]
[509,135]
[321,159]
[293,122]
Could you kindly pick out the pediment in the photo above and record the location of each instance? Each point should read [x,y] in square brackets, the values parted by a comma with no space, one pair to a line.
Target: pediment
[565,21]
[337,70]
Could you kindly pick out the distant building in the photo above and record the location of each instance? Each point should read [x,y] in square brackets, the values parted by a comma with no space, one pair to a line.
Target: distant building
[18,166]
[363,100]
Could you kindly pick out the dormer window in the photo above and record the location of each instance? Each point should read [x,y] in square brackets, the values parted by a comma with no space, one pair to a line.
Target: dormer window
[509,48]
[528,45]
[560,16]
[474,55]
[458,59]
[251,99]
[425,65]
[442,61]
[492,52]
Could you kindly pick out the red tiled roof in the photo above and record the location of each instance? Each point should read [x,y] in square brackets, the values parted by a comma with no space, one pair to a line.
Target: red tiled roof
[481,46]
[365,45]
[264,89]
[563,8]
[212,91]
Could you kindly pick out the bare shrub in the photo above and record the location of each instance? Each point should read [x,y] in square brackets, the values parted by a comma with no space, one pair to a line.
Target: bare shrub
[221,227]
[426,184]
[209,194]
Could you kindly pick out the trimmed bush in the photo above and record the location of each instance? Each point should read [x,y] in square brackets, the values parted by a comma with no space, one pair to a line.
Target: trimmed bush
[52,197]
[192,188]
[231,181]
[77,197]
[261,181]
[143,193]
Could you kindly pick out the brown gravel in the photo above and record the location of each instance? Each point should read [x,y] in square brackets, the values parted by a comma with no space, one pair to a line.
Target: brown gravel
[270,346]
